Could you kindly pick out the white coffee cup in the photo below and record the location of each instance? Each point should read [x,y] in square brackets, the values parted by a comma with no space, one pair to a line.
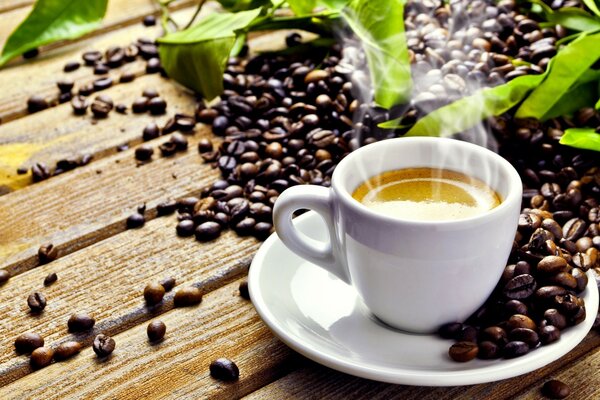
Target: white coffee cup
[412,275]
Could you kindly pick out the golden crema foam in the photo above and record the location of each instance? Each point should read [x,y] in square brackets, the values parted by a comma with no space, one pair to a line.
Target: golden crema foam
[426,194]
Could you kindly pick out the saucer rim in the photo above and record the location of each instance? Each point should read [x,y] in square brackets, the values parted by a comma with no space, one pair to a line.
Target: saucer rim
[497,369]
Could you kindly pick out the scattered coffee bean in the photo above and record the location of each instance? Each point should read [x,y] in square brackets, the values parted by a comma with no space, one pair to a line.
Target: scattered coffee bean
[139,105]
[489,350]
[515,349]
[27,342]
[36,302]
[157,106]
[151,131]
[71,66]
[149,20]
[167,149]
[102,83]
[150,93]
[156,330]
[103,345]
[41,357]
[121,108]
[47,253]
[135,220]
[555,389]
[65,85]
[244,292]
[50,279]
[101,106]
[31,53]
[101,69]
[179,141]
[463,351]
[66,350]
[79,104]
[127,77]
[207,231]
[166,208]
[153,293]
[4,276]
[153,66]
[36,103]
[186,228]
[80,322]
[39,172]
[168,283]
[224,369]
[187,296]
[91,57]
[144,152]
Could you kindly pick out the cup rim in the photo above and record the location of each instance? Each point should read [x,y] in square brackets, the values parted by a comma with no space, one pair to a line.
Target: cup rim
[515,188]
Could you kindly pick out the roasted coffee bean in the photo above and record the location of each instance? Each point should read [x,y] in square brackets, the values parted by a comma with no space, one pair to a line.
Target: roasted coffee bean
[102,83]
[148,51]
[489,350]
[553,317]
[103,345]
[450,330]
[135,220]
[101,106]
[139,105]
[101,69]
[127,77]
[36,103]
[144,152]
[91,57]
[494,334]
[549,334]
[185,123]
[555,389]
[80,322]
[185,228]
[187,204]
[207,231]
[153,293]
[47,253]
[36,302]
[166,208]
[4,276]
[86,89]
[522,267]
[188,296]
[153,66]
[157,106]
[179,141]
[39,172]
[50,279]
[224,369]
[167,149]
[41,357]
[515,349]
[520,321]
[243,289]
[71,66]
[156,330]
[65,85]
[568,304]
[581,279]
[552,265]
[205,146]
[66,350]
[546,294]
[574,229]
[149,20]
[27,342]
[463,351]
[525,335]
[79,104]
[520,287]
[65,97]
[168,283]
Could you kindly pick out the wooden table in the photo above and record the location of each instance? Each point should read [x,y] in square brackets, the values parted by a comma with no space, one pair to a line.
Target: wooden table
[103,267]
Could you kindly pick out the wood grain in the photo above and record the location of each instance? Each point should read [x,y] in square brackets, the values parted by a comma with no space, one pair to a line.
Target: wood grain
[91,203]
[314,381]
[7,5]
[223,325]
[107,279]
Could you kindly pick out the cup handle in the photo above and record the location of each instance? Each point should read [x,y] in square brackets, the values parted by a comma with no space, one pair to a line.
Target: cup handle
[320,200]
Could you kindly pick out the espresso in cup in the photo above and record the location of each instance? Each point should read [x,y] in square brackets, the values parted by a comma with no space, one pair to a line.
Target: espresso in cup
[426,194]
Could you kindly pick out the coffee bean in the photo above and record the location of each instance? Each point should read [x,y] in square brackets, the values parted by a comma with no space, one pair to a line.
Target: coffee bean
[121,108]
[549,334]
[224,369]
[207,231]
[243,289]
[153,65]
[79,104]
[103,345]
[553,265]
[4,276]
[467,334]
[450,330]
[41,357]
[80,322]
[185,123]
[489,350]
[127,77]
[555,389]
[27,342]
[50,279]
[149,20]
[520,287]
[135,220]
[187,296]
[153,293]
[463,351]
[262,230]
[144,152]
[36,302]
[179,141]
[546,294]
[47,253]
[101,106]
[148,51]
[65,85]
[102,83]
[494,334]
[71,66]
[157,106]
[39,172]
[520,321]
[581,279]
[564,279]
[86,89]
[316,75]
[166,208]
[36,103]
[101,69]
[167,149]
[168,283]
[139,105]
[185,228]
[574,229]
[91,57]
[568,304]
[553,317]
[525,335]
[156,330]
[205,146]
[66,350]
[515,349]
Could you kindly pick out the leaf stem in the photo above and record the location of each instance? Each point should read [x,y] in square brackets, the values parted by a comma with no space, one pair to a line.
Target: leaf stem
[195,14]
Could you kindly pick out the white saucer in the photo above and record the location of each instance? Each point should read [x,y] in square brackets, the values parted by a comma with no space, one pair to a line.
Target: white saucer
[322,318]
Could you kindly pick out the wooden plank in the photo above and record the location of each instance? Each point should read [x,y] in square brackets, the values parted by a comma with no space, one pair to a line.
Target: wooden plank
[314,381]
[85,206]
[42,73]
[7,5]
[107,281]
[224,325]
[582,377]
[56,133]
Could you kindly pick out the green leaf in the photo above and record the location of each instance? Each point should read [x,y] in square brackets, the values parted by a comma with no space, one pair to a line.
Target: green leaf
[578,97]
[570,17]
[571,62]
[305,7]
[581,138]
[196,57]
[51,21]
[379,24]
[592,6]
[469,111]
[242,5]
